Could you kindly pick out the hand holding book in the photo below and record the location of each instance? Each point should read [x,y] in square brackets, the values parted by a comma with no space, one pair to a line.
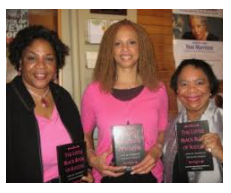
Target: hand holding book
[191,152]
[212,143]
[99,162]
[88,178]
[149,161]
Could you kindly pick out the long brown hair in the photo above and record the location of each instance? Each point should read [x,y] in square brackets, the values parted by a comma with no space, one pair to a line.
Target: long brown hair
[105,70]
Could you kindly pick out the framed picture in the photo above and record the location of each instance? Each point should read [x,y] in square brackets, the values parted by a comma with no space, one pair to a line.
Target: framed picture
[96,29]
[109,11]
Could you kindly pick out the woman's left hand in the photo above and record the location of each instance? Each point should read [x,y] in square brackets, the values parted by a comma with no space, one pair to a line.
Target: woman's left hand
[212,144]
[149,161]
[88,178]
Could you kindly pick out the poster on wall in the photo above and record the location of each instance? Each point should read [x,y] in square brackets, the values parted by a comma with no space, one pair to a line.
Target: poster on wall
[96,29]
[16,19]
[198,33]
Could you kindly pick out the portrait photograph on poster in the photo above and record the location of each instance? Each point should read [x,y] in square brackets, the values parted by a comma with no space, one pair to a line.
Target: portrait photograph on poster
[197,27]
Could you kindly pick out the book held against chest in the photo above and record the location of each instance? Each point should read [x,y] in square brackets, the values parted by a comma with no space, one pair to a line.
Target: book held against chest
[128,145]
[192,155]
[72,162]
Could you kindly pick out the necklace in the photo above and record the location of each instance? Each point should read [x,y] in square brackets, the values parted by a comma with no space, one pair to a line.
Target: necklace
[44,102]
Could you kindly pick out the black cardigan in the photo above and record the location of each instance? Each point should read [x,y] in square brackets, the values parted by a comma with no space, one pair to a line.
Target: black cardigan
[23,149]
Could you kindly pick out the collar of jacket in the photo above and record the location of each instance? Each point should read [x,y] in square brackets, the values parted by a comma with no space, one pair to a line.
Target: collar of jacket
[24,95]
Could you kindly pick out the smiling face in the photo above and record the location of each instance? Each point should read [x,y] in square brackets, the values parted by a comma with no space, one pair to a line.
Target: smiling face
[126,48]
[38,65]
[193,90]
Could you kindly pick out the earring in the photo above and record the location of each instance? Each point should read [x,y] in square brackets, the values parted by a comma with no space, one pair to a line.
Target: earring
[55,76]
[19,71]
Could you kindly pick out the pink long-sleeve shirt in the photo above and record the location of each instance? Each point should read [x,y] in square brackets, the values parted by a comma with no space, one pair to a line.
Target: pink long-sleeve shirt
[101,110]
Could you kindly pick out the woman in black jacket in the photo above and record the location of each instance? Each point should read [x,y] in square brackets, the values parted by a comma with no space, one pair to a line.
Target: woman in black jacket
[41,115]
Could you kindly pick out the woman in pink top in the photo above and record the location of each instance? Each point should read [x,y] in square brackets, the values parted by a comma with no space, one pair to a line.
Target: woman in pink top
[125,91]
[40,115]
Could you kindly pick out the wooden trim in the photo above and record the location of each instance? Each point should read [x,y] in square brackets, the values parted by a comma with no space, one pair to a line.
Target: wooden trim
[155,12]
[154,20]
[59,22]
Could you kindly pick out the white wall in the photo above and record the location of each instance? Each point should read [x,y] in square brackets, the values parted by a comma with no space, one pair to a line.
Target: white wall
[75,76]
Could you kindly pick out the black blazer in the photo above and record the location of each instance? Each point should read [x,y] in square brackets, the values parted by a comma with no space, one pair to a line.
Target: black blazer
[23,148]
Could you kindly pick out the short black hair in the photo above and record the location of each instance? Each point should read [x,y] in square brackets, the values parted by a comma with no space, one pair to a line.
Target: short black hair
[205,67]
[27,35]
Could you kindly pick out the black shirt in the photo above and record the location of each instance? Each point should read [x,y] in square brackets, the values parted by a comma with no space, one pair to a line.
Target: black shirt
[127,94]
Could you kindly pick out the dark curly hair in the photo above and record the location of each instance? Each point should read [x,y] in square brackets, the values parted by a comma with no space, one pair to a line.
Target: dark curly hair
[200,64]
[27,35]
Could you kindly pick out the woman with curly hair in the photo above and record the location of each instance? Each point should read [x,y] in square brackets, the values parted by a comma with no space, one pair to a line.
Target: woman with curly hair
[40,115]
[124,91]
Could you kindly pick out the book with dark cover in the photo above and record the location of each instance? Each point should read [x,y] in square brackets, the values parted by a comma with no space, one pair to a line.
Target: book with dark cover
[72,162]
[192,155]
[128,145]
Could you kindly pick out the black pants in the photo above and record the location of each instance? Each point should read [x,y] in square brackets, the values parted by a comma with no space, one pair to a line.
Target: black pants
[179,174]
[128,178]
[55,180]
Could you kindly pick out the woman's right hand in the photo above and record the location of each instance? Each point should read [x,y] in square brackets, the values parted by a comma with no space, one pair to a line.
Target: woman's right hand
[99,163]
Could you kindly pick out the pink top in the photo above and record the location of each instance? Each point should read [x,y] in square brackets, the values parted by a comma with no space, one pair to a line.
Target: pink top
[52,133]
[103,111]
